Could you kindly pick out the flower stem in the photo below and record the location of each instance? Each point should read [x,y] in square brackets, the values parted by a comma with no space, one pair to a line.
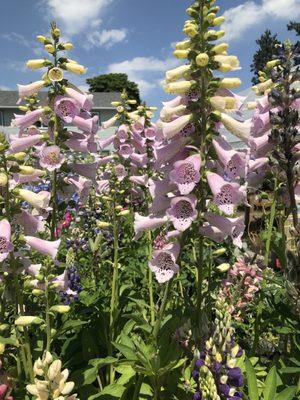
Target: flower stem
[150,282]
[162,310]
[114,289]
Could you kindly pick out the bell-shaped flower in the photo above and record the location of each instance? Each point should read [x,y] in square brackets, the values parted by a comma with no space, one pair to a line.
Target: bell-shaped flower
[166,152]
[239,129]
[110,122]
[160,187]
[143,224]
[85,101]
[182,211]
[227,195]
[177,73]
[51,158]
[122,133]
[30,118]
[37,200]
[31,89]
[5,236]
[171,129]
[186,173]
[66,108]
[43,246]
[125,150]
[19,144]
[30,223]
[163,262]
[150,132]
[139,126]
[86,124]
[233,227]
[232,160]
[87,170]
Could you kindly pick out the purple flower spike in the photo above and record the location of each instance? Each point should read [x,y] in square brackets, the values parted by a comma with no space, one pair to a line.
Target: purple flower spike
[235,377]
[182,211]
[197,396]
[186,173]
[163,263]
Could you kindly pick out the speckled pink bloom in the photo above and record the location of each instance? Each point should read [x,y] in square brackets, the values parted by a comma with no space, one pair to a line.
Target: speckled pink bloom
[5,244]
[227,195]
[182,211]
[66,108]
[51,158]
[186,173]
[163,263]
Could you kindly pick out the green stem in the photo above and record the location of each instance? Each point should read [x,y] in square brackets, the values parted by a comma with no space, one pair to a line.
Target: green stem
[114,289]
[270,225]
[258,317]
[162,310]
[138,387]
[48,320]
[150,281]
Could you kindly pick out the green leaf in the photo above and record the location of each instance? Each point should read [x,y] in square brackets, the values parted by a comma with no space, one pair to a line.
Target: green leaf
[10,341]
[251,381]
[127,352]
[100,362]
[287,394]
[85,376]
[270,384]
[290,370]
[111,391]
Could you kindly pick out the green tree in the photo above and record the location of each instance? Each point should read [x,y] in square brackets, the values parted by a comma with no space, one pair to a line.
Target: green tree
[115,82]
[294,26]
[267,48]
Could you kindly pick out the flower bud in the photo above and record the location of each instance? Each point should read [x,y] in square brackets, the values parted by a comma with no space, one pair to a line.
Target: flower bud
[202,59]
[272,64]
[68,46]
[27,320]
[223,267]
[75,68]
[41,38]
[220,48]
[50,48]
[3,179]
[184,45]
[218,21]
[124,213]
[230,83]
[54,370]
[37,292]
[102,224]
[36,64]
[181,54]
[60,309]
[56,32]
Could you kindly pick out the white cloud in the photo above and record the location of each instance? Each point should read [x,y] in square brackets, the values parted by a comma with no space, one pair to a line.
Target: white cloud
[143,70]
[240,18]
[76,15]
[106,38]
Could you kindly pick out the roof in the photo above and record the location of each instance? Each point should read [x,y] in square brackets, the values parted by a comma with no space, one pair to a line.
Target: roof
[9,98]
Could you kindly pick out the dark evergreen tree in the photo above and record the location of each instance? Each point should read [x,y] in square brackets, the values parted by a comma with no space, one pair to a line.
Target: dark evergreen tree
[267,49]
[294,26]
[114,82]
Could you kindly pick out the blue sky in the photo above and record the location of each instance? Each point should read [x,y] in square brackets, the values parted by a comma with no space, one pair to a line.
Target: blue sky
[132,36]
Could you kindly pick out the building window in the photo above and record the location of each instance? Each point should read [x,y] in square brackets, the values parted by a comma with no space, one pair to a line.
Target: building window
[1,118]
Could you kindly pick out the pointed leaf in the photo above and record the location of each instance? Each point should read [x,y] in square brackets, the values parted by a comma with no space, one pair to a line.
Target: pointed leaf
[251,381]
[270,384]
[287,394]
